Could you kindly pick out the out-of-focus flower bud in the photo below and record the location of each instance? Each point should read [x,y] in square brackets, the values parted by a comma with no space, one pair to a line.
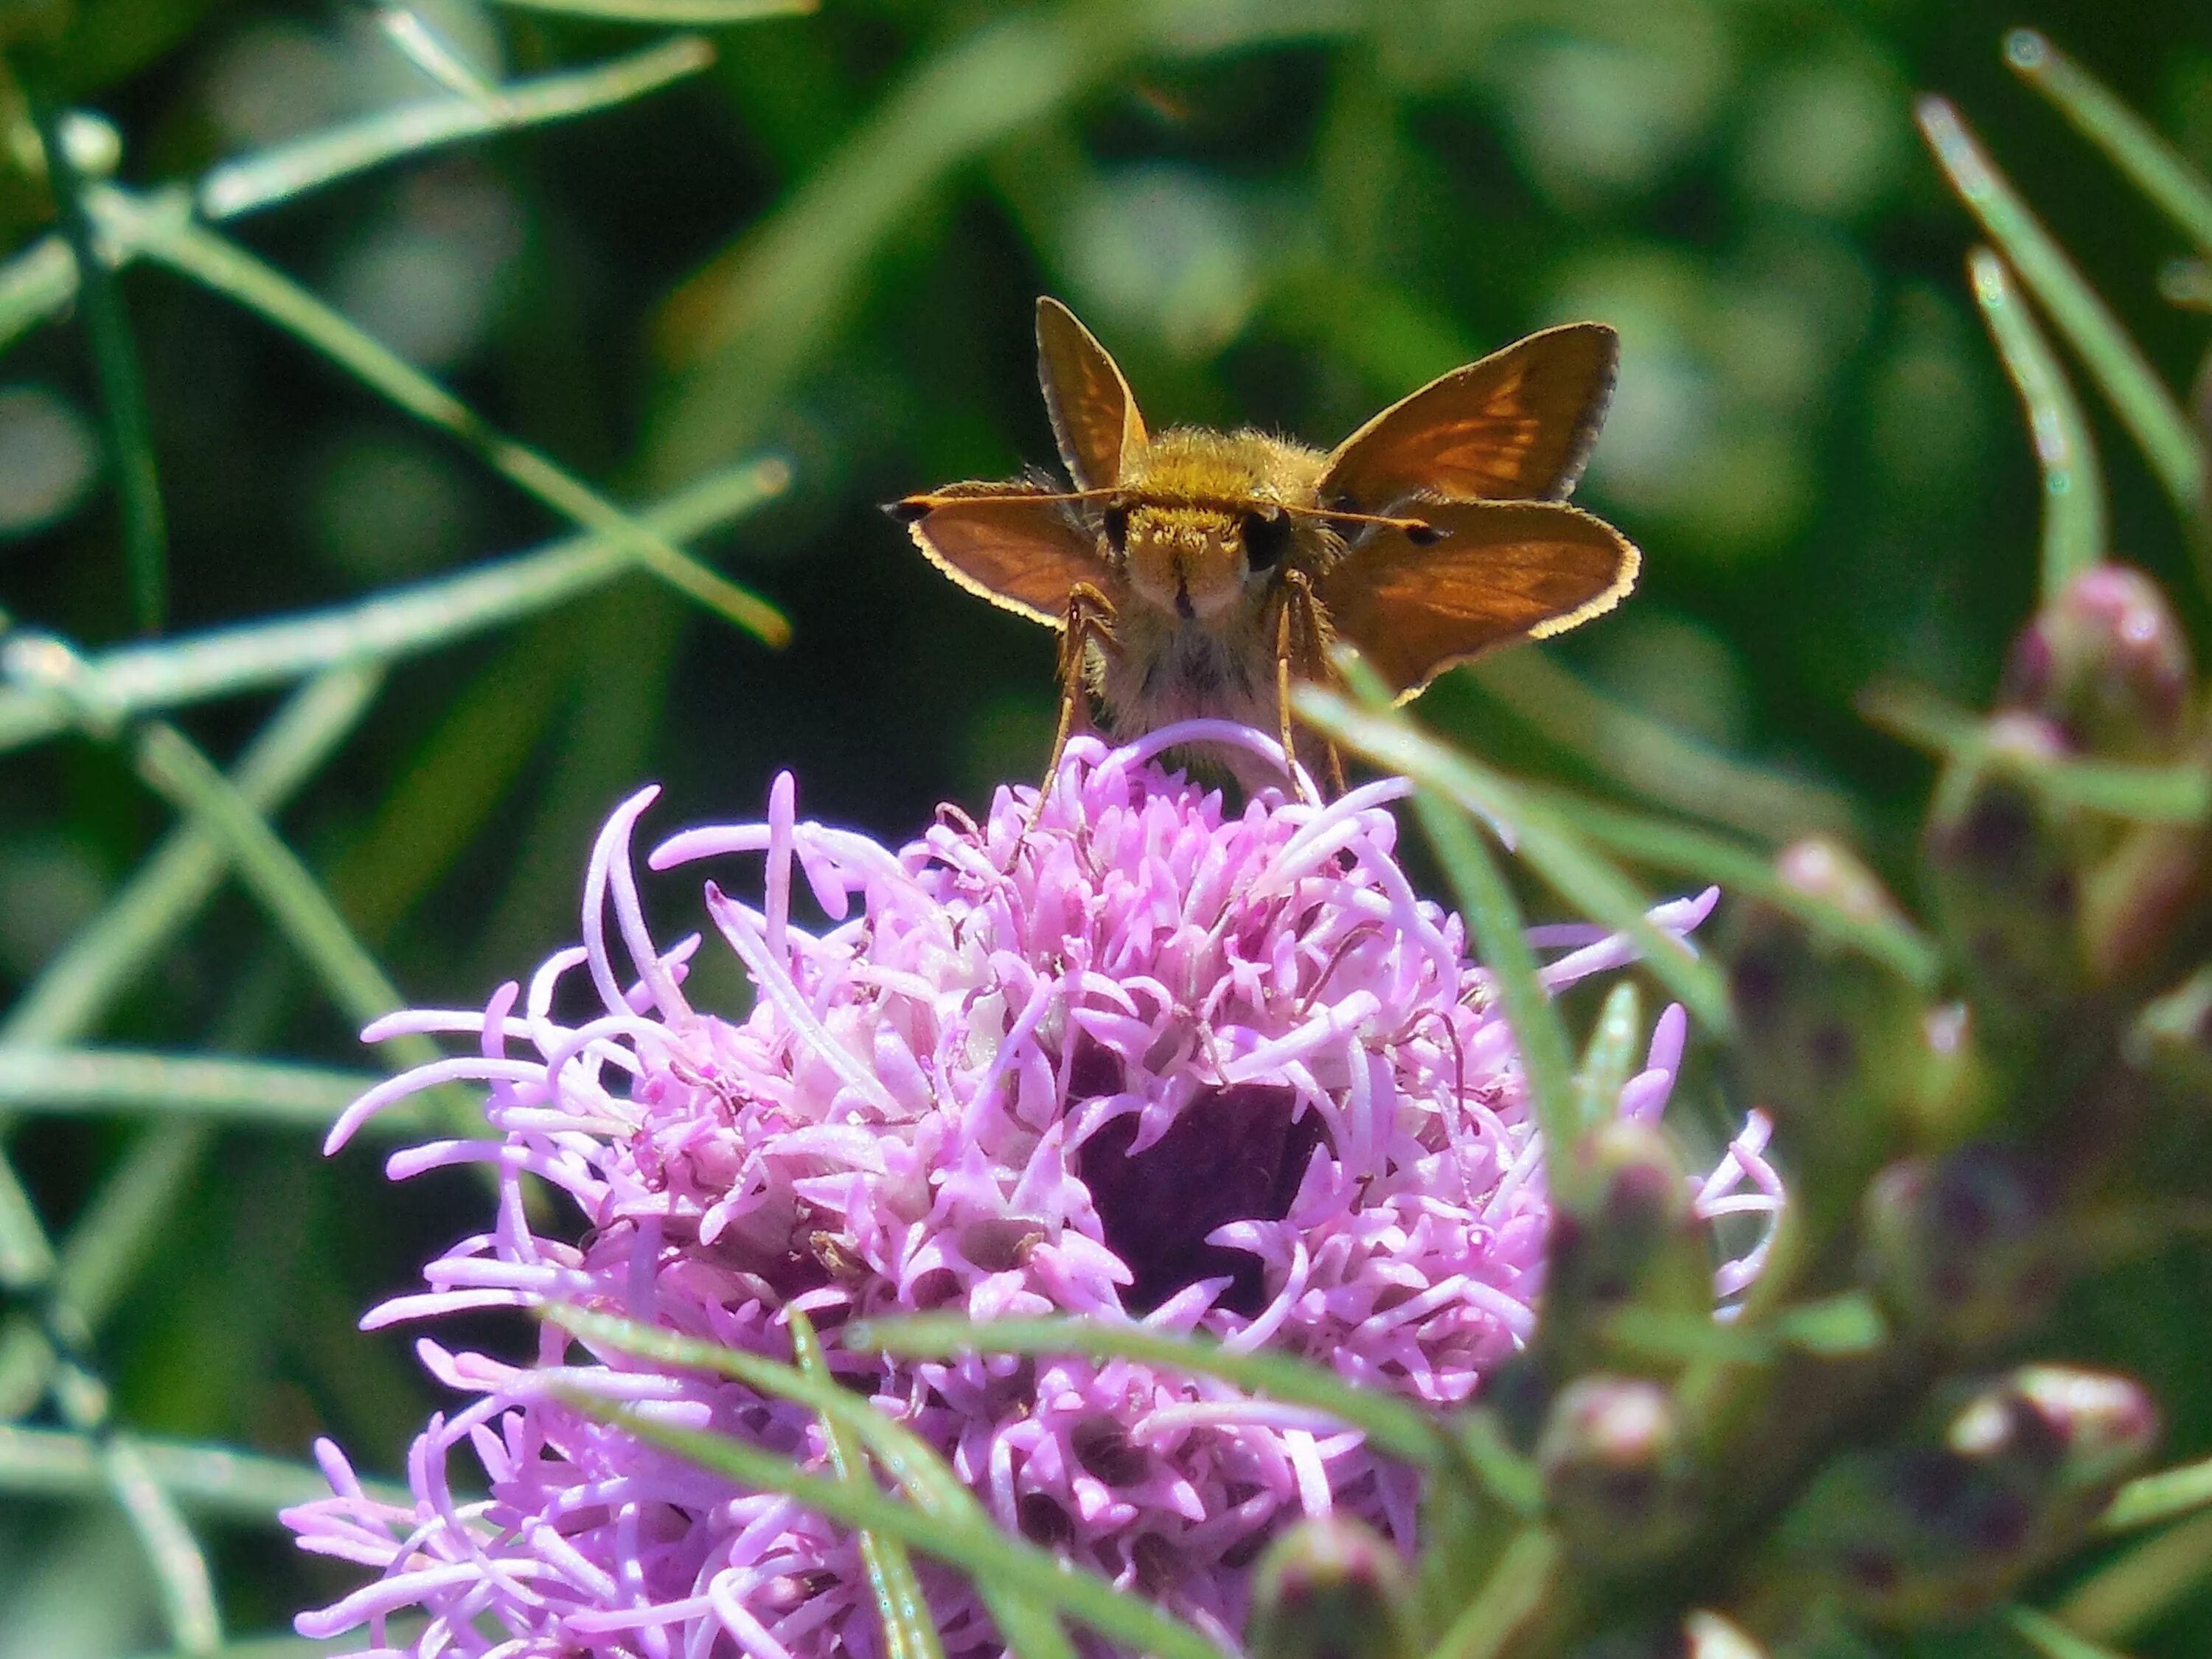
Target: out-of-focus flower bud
[1829,1035]
[1616,1471]
[1997,1479]
[1961,1247]
[2001,860]
[1331,1590]
[1701,1636]
[1629,1237]
[2146,891]
[2105,660]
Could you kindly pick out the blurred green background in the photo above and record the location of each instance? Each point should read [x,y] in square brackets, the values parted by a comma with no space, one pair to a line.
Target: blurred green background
[826,245]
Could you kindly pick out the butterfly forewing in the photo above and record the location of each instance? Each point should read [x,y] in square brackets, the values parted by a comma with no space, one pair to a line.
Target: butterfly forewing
[1499,571]
[1009,544]
[1517,426]
[1094,418]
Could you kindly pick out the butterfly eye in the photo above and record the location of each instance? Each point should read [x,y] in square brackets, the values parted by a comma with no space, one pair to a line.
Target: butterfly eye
[1266,538]
[1114,521]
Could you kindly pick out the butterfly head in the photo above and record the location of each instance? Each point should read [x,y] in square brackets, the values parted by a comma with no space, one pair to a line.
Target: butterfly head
[1200,527]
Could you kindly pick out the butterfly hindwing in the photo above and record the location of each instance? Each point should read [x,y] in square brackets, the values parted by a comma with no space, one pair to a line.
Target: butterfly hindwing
[1488,573]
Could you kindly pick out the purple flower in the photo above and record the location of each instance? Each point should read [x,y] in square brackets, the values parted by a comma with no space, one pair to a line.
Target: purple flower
[1150,1061]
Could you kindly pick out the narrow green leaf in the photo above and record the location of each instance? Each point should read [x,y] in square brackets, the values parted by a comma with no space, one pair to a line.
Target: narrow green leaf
[2148,410]
[1030,1627]
[2180,793]
[267,178]
[75,1081]
[125,423]
[682,14]
[396,623]
[35,285]
[1544,842]
[1688,849]
[179,1569]
[1609,1055]
[429,50]
[2152,1499]
[272,873]
[2131,1592]
[1390,1425]
[2052,1639]
[2153,166]
[2074,528]
[199,253]
[1834,1326]
[1516,1588]
[81,981]
[979,1550]
[910,1632]
[1650,759]
[211,1481]
[109,1242]
[27,1256]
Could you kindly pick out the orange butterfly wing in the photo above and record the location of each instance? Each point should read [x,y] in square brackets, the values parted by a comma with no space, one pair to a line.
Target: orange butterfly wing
[1516,426]
[1009,544]
[1094,415]
[1500,571]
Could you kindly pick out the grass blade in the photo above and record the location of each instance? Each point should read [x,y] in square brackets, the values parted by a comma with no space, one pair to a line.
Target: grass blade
[704,13]
[80,982]
[1689,850]
[397,622]
[124,420]
[2180,793]
[1609,1056]
[1567,865]
[1513,1590]
[2074,523]
[1390,1425]
[72,1081]
[35,285]
[2052,1639]
[2151,1499]
[206,258]
[1028,1623]
[431,52]
[981,1550]
[1650,759]
[179,1569]
[286,890]
[910,1632]
[2152,165]
[2149,411]
[269,177]
[2134,1589]
[212,1480]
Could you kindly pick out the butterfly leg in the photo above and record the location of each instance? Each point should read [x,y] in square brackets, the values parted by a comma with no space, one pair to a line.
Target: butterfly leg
[1296,626]
[1089,619]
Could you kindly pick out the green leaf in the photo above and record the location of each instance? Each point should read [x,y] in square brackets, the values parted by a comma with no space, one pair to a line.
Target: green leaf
[1609,1055]
[1390,1425]
[35,285]
[81,981]
[1026,1622]
[1650,759]
[74,1081]
[704,13]
[2052,1639]
[2148,410]
[267,178]
[2180,793]
[2142,1584]
[179,1569]
[910,1632]
[2153,166]
[396,623]
[1543,841]
[1516,1588]
[1688,849]
[978,1549]
[2074,524]
[2152,1499]
[212,1480]
[175,241]
[125,423]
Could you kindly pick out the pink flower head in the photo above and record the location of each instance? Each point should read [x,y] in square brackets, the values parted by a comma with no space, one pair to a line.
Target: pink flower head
[1151,1061]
